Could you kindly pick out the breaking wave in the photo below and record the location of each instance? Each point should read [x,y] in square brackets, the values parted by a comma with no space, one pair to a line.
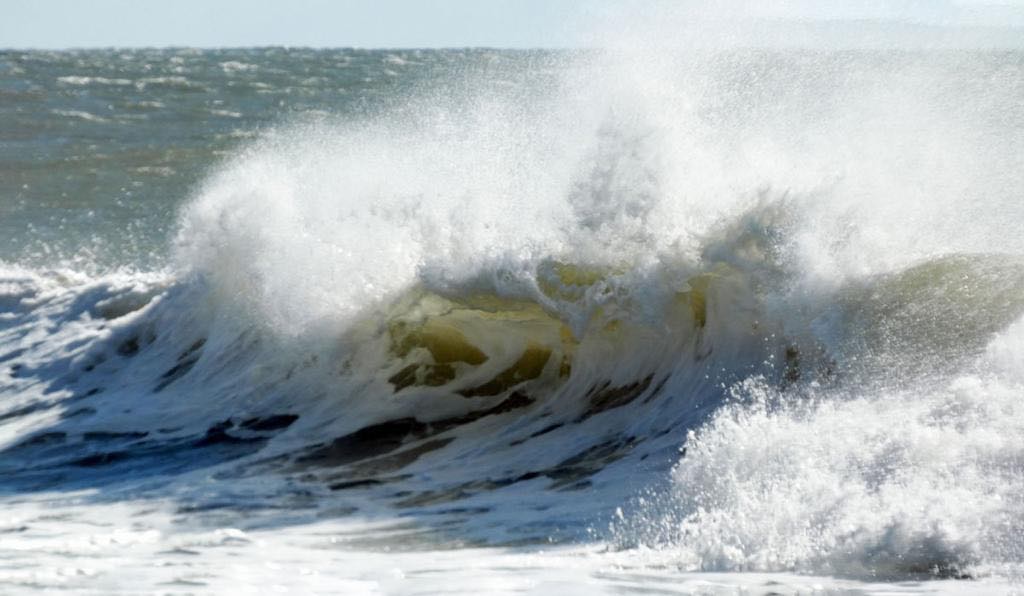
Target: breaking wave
[515,303]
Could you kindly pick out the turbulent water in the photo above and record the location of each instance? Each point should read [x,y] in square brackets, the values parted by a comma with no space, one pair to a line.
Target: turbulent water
[490,321]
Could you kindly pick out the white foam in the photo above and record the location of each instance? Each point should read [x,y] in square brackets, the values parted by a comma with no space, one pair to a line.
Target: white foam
[803,190]
[873,482]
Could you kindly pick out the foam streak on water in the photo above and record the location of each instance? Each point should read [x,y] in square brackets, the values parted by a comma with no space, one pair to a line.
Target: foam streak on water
[587,322]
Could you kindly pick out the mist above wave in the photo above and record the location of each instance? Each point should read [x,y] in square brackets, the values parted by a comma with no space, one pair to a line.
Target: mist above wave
[482,295]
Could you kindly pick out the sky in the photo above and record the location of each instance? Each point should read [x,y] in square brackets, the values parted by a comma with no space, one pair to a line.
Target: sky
[444,23]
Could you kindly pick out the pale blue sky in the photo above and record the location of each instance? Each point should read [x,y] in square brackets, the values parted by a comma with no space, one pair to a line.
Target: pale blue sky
[430,23]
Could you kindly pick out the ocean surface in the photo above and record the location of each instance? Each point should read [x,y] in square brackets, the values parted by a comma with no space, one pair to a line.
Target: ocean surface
[482,321]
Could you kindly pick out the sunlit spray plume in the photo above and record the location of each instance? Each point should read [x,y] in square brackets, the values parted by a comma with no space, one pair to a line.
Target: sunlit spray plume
[547,275]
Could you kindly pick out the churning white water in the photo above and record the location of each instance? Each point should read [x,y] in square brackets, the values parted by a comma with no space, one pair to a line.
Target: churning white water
[692,321]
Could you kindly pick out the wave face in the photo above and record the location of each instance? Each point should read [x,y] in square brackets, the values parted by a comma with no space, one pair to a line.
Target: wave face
[751,311]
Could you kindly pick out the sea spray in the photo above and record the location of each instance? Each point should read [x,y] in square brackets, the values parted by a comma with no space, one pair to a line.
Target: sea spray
[498,309]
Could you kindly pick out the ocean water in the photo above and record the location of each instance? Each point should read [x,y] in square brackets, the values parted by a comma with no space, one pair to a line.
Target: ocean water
[481,321]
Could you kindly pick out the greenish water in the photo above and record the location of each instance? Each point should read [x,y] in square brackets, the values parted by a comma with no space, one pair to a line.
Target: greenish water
[335,318]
